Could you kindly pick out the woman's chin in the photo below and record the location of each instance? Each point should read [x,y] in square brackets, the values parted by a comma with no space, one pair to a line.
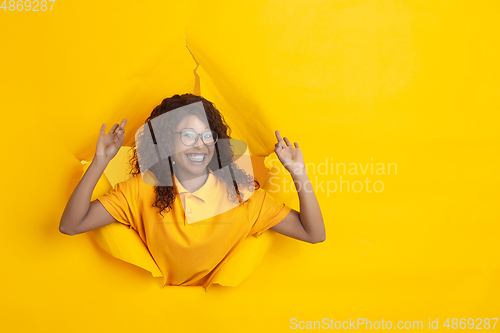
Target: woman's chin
[194,167]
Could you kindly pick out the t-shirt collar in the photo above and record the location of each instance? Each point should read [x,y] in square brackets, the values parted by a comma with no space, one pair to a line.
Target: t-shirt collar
[204,192]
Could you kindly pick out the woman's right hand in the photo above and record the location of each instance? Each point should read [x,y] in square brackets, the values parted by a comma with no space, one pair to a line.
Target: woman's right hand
[109,144]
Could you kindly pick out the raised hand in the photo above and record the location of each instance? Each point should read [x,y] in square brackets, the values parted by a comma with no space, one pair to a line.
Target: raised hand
[290,157]
[109,144]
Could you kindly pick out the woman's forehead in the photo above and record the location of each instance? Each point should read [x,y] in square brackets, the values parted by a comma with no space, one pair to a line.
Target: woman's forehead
[192,121]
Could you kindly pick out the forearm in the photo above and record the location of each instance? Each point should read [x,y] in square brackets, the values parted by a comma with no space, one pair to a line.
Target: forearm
[79,202]
[310,212]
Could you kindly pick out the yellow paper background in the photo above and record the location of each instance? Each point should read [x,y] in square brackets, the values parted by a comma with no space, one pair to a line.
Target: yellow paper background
[414,83]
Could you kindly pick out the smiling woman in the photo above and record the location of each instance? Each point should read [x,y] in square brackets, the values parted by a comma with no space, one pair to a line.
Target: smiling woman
[201,206]
[193,134]
[193,154]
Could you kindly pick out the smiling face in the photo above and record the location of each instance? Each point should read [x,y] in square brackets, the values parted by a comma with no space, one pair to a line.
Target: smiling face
[191,161]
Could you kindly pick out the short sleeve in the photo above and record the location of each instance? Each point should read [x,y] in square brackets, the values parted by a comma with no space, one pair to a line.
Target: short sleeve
[122,201]
[266,212]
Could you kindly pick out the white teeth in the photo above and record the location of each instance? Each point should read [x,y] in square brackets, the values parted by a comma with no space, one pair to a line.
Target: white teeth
[196,157]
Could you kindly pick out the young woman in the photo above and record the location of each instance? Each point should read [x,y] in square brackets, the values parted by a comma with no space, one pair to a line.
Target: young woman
[197,209]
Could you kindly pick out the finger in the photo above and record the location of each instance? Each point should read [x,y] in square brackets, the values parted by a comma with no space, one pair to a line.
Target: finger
[278,146]
[120,130]
[118,137]
[288,143]
[278,136]
[279,154]
[112,130]
[103,127]
[296,145]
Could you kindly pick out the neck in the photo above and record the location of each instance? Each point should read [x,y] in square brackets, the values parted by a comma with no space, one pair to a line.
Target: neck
[191,182]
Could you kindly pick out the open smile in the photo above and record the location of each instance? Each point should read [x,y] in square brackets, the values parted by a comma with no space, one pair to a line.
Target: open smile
[197,158]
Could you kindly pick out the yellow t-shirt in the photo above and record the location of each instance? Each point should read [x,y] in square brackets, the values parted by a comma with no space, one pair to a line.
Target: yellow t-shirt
[191,253]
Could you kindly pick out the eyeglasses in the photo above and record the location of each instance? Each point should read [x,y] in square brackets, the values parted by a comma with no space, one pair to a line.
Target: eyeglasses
[190,137]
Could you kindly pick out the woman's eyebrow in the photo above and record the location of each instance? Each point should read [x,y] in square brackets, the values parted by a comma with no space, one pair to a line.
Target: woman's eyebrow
[193,128]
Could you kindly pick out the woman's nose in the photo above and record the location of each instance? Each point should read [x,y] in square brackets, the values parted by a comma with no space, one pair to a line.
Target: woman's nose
[199,143]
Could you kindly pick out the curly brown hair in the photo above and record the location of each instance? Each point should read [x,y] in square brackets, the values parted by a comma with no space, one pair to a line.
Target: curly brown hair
[234,177]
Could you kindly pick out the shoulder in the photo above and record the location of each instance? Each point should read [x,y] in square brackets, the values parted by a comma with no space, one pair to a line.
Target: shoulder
[130,187]
[132,182]
[258,198]
[259,194]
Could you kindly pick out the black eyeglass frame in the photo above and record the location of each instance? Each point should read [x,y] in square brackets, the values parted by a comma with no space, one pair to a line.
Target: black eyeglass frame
[197,136]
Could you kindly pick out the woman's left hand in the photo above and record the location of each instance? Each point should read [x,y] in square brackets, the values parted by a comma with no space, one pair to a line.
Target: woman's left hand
[290,157]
